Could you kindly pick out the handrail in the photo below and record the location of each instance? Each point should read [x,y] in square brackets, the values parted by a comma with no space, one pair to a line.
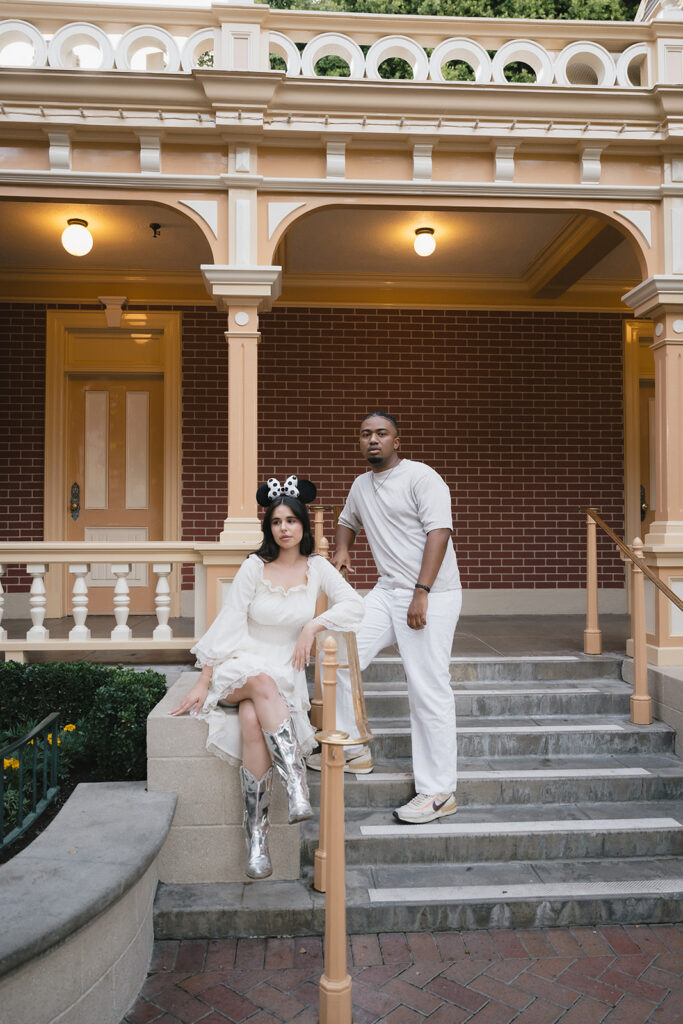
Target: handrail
[46,751]
[640,562]
[641,702]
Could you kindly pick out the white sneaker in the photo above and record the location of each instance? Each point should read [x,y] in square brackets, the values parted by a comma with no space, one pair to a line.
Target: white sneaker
[424,807]
[356,764]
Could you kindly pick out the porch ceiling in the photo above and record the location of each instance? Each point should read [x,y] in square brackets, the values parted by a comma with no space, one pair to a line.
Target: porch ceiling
[494,256]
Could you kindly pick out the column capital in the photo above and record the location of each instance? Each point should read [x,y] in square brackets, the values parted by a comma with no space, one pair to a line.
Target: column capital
[232,285]
[661,291]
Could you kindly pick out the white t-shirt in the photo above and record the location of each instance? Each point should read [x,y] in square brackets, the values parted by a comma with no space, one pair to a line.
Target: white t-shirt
[397,509]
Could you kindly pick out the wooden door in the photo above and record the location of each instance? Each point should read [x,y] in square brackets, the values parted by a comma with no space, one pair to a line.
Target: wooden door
[115,485]
[647,456]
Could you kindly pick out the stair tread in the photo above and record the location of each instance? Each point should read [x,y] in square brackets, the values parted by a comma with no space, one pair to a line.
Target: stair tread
[608,723]
[666,764]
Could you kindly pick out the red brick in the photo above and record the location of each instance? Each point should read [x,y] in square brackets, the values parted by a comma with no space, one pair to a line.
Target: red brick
[220,954]
[507,944]
[620,942]
[590,987]
[230,1003]
[412,996]
[480,946]
[536,943]
[279,953]
[636,986]
[552,991]
[143,1012]
[456,993]
[191,955]
[164,954]
[670,934]
[508,994]
[591,941]
[586,1011]
[422,946]
[629,1010]
[403,1015]
[395,948]
[365,950]
[282,1004]
[551,968]
[540,1012]
[669,1012]
[183,1006]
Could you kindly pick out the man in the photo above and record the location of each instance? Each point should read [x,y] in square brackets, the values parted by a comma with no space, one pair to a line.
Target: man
[405,509]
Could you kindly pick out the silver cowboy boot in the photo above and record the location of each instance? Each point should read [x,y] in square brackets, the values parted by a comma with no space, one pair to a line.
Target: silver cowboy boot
[288,760]
[256,801]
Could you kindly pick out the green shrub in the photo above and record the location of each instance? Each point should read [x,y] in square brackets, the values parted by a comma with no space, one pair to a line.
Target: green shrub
[30,692]
[114,729]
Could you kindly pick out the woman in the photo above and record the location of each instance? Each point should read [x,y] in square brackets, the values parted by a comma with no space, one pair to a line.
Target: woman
[254,657]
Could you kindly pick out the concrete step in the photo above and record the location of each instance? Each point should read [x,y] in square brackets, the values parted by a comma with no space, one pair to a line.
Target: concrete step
[540,736]
[390,667]
[499,782]
[512,833]
[521,699]
[530,894]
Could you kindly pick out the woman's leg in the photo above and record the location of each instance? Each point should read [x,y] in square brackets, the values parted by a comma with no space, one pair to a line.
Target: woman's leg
[278,732]
[256,778]
[255,754]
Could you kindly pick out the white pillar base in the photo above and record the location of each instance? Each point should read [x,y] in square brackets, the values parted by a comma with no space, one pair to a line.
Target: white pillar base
[242,534]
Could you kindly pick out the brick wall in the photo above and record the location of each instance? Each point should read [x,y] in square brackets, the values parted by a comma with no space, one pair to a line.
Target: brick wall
[520,412]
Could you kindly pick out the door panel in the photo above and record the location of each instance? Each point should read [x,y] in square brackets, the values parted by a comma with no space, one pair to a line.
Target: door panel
[115,456]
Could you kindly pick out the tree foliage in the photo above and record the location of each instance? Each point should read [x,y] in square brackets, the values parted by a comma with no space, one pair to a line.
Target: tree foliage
[593,10]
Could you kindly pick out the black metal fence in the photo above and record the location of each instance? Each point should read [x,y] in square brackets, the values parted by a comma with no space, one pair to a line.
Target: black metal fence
[28,781]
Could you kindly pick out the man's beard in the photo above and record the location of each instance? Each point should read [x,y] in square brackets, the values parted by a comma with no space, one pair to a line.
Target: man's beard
[375,460]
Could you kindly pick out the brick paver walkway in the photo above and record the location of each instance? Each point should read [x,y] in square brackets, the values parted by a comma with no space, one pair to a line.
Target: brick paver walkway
[605,975]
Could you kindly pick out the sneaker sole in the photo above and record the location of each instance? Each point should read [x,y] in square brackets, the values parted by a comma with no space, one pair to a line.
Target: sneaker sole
[358,771]
[423,821]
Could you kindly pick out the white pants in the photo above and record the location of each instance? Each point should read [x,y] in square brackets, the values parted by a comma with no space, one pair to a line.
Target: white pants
[426,658]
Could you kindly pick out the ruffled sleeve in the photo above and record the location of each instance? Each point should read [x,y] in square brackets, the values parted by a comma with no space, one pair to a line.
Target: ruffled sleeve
[229,629]
[346,606]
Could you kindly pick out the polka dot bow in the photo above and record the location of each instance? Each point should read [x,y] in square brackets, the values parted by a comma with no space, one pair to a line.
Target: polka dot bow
[276,489]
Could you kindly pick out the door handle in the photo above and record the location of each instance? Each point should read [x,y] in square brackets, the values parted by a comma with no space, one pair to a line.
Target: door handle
[644,507]
[75,503]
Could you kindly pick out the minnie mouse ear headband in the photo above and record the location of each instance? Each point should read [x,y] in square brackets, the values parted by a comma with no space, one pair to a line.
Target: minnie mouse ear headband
[272,490]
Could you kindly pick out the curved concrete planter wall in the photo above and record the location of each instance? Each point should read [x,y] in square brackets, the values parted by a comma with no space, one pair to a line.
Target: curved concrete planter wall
[77,908]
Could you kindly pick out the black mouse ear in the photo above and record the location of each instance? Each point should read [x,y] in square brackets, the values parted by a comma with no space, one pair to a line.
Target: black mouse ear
[262,496]
[307,491]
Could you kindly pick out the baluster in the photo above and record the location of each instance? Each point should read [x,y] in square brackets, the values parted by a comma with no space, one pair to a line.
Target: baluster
[335,983]
[329,724]
[37,602]
[79,602]
[322,547]
[3,632]
[162,602]
[121,603]
[641,702]
[592,634]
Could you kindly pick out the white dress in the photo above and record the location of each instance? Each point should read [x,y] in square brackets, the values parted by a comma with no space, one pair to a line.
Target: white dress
[256,631]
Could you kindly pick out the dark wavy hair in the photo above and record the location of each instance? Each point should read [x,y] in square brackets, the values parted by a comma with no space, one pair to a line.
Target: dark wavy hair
[269,549]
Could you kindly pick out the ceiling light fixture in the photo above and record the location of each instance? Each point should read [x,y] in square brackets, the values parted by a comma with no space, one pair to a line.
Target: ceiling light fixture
[76,238]
[424,243]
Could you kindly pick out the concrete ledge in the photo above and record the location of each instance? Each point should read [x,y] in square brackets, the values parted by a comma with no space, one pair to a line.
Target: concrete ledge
[77,907]
[206,840]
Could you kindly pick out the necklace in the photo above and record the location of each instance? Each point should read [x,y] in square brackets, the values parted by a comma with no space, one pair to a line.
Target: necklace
[378,487]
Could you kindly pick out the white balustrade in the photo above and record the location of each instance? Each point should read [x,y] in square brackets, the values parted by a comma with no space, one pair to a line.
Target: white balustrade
[162,601]
[3,632]
[79,602]
[37,603]
[581,62]
[121,630]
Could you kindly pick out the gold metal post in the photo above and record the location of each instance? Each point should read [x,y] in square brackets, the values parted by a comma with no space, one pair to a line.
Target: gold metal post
[641,702]
[592,635]
[329,711]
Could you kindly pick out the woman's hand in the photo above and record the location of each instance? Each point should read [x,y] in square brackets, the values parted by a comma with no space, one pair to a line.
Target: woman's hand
[302,652]
[194,700]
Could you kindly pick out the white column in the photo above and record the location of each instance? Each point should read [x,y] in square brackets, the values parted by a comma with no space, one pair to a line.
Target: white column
[121,603]
[3,632]
[79,602]
[162,602]
[37,603]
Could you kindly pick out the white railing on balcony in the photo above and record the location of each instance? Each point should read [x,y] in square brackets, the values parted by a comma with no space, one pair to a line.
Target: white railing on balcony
[246,37]
[36,558]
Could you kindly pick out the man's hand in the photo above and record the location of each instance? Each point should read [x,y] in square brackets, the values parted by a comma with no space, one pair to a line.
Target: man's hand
[342,560]
[417,610]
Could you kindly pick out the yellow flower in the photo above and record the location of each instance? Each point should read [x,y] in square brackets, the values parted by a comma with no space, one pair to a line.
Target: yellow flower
[10,762]
[49,739]
[70,727]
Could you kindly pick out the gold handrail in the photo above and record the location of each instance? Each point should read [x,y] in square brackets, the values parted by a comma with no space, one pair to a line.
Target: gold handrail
[640,562]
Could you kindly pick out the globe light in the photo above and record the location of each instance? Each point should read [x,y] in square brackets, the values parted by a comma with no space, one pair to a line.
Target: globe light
[76,238]
[424,243]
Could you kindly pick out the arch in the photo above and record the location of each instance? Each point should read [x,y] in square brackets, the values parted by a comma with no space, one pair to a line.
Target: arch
[200,41]
[61,52]
[583,60]
[15,31]
[284,47]
[460,49]
[397,46]
[528,52]
[143,36]
[332,44]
